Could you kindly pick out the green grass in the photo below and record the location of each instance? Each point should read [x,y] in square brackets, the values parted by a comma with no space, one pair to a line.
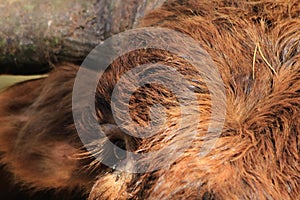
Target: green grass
[9,80]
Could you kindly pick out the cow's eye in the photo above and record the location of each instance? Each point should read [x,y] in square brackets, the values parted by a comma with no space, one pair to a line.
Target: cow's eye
[120,149]
[115,149]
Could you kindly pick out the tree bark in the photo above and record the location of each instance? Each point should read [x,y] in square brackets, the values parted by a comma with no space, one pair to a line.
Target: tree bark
[34,34]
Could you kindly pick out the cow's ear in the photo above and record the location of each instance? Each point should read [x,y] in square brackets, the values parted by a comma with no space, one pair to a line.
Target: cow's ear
[14,102]
[37,142]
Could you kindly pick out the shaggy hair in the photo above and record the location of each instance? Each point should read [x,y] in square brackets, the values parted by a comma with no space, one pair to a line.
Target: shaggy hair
[255,45]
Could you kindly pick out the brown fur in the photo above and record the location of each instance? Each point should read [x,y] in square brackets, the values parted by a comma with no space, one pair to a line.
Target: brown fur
[256,47]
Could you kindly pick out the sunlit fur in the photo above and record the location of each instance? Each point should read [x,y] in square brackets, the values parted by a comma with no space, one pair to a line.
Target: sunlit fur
[255,46]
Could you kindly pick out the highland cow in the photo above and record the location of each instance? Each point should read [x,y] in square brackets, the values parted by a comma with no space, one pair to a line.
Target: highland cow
[255,46]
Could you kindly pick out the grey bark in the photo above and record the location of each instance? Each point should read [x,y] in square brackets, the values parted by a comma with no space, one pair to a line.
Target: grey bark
[34,34]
